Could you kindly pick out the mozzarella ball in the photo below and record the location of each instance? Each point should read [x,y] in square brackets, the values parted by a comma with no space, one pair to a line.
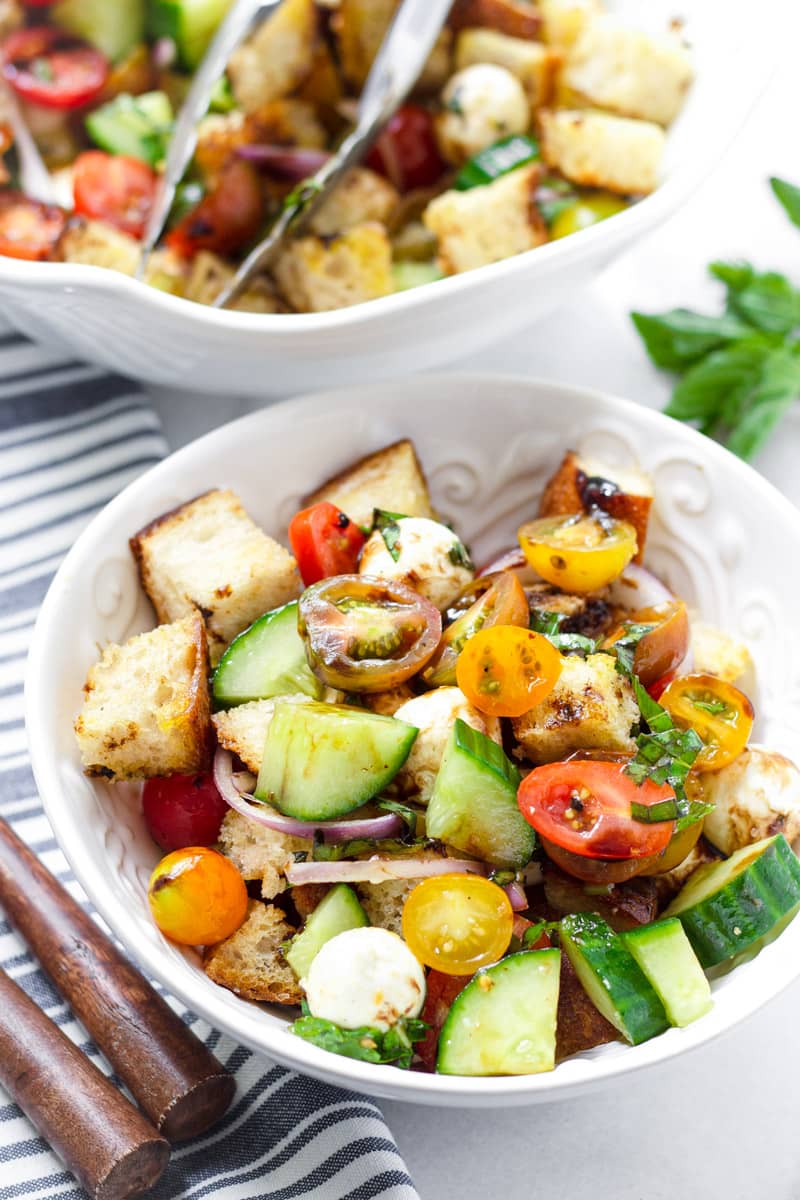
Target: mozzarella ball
[481,104]
[428,559]
[756,796]
[363,977]
[434,715]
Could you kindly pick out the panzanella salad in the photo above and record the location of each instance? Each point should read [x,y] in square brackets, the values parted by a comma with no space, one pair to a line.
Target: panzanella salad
[461,820]
[528,122]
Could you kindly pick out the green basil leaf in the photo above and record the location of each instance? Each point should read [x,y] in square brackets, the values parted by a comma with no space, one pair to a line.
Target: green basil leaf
[769,302]
[649,814]
[697,811]
[459,556]
[789,197]
[394,1045]
[546,622]
[702,393]
[735,275]
[775,393]
[506,155]
[678,338]
[386,524]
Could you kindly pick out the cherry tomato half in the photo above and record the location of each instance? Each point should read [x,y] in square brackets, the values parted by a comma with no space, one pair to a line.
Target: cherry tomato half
[506,671]
[578,553]
[406,151]
[366,635]
[457,923]
[440,993]
[114,188]
[325,542]
[183,810]
[599,872]
[47,66]
[680,845]
[585,807]
[197,897]
[718,712]
[28,229]
[501,602]
[227,218]
[665,647]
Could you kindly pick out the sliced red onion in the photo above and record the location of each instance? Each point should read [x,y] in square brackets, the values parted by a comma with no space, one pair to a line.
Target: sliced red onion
[516,895]
[294,163]
[639,588]
[532,874]
[164,52]
[384,826]
[380,870]
[512,560]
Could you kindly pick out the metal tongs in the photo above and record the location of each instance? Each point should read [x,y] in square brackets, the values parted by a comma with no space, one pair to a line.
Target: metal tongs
[402,54]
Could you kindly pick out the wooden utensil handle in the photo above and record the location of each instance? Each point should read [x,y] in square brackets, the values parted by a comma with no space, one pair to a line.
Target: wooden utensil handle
[175,1079]
[107,1144]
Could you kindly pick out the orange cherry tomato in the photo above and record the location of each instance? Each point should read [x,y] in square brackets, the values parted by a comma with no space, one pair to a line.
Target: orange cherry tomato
[718,712]
[197,897]
[506,671]
[501,602]
[578,553]
[457,923]
[665,647]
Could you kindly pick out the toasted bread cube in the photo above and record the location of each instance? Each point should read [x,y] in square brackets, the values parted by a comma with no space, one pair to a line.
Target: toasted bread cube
[277,58]
[250,962]
[362,195]
[209,555]
[487,224]
[360,26]
[383,902]
[717,653]
[243,729]
[598,150]
[563,21]
[98,245]
[219,135]
[631,502]
[391,479]
[632,73]
[258,852]
[166,271]
[592,707]
[12,15]
[533,64]
[316,275]
[517,18]
[146,710]
[387,703]
[209,274]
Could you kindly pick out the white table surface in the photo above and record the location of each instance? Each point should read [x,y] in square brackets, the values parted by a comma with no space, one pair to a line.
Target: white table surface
[720,1123]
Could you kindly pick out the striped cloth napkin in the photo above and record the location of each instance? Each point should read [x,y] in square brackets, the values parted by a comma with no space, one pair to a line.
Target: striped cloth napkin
[71,436]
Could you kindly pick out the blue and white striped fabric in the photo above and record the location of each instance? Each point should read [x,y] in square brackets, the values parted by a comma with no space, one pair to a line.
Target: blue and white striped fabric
[71,437]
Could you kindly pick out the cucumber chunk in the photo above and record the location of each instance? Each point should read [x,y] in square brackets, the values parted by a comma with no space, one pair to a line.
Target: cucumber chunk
[729,906]
[664,953]
[113,28]
[406,274]
[324,760]
[474,802]
[190,23]
[504,1021]
[612,978]
[336,912]
[137,126]
[267,660]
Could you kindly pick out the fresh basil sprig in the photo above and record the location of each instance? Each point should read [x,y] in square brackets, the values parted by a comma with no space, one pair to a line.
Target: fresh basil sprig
[394,1045]
[739,371]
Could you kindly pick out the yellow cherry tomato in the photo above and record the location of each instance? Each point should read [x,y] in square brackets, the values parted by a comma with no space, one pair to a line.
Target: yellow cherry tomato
[578,553]
[506,671]
[678,848]
[197,897]
[587,210]
[718,712]
[457,923]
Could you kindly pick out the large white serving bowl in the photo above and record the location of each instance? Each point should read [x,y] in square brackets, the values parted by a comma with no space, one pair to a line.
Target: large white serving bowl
[721,535]
[107,318]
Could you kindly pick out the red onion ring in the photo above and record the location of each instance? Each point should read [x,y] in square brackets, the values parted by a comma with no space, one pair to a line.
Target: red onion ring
[164,52]
[516,895]
[639,588]
[380,870]
[387,825]
[295,163]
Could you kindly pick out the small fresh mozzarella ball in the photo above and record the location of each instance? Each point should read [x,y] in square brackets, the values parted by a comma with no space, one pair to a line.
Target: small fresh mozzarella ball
[756,796]
[430,559]
[364,977]
[481,104]
[434,715]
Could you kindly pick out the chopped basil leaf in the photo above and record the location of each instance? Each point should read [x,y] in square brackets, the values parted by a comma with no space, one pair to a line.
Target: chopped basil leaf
[394,1045]
[459,556]
[625,647]
[496,160]
[549,624]
[649,814]
[531,936]
[710,706]
[408,814]
[387,525]
[698,809]
[502,878]
[322,852]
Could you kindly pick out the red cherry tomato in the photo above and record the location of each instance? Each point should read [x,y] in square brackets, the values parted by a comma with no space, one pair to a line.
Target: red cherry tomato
[113,188]
[226,219]
[47,66]
[585,807]
[406,151]
[441,992]
[183,810]
[658,688]
[325,542]
[28,229]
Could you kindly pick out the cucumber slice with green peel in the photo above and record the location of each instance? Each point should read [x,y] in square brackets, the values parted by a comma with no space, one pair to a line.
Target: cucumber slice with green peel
[407,274]
[137,126]
[612,978]
[474,802]
[324,760]
[664,953]
[190,23]
[504,1021]
[336,912]
[728,906]
[113,28]
[268,659]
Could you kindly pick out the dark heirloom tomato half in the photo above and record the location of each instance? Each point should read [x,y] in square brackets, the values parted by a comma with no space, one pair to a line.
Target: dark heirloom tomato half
[226,219]
[28,229]
[718,712]
[325,542]
[406,151]
[114,188]
[49,67]
[585,807]
[665,647]
[500,601]
[366,635]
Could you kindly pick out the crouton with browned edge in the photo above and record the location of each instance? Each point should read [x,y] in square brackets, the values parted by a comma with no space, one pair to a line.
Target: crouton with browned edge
[580,483]
[250,962]
[391,479]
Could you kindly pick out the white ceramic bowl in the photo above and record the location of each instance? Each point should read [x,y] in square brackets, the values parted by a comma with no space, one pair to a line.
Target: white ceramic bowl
[721,535]
[105,317]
